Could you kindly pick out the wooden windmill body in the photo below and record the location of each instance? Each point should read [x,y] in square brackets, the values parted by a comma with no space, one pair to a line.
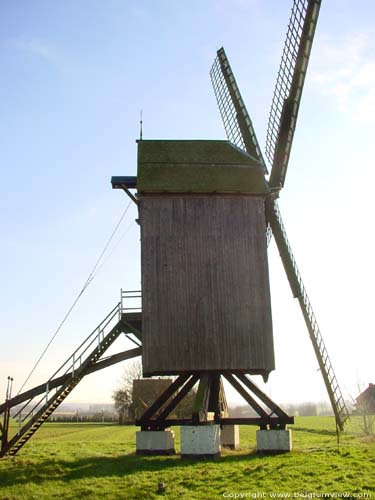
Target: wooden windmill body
[206,298]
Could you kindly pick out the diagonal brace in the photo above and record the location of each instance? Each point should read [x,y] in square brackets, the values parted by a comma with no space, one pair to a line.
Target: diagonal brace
[163,398]
[260,394]
[179,397]
[249,399]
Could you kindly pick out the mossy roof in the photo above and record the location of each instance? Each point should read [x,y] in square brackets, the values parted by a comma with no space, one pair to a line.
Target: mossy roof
[197,167]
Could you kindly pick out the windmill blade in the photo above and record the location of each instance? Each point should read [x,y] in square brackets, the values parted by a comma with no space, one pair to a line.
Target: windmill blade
[289,85]
[237,122]
[299,292]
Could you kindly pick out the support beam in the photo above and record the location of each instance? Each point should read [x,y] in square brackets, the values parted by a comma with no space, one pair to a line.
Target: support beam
[272,422]
[260,394]
[214,405]
[58,381]
[164,397]
[130,195]
[249,399]
[132,323]
[202,397]
[179,397]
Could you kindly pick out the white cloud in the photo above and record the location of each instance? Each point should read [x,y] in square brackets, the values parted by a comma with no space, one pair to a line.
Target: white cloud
[346,72]
[365,110]
[34,46]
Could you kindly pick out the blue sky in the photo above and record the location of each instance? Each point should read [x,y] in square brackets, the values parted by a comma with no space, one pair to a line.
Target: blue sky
[75,75]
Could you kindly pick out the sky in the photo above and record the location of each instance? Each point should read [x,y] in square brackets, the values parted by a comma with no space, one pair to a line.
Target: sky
[75,76]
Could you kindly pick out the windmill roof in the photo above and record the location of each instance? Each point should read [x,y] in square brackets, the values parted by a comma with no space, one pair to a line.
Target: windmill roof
[198,167]
[368,395]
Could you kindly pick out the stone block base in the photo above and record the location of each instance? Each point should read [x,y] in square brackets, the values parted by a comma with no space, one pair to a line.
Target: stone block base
[155,442]
[230,437]
[274,441]
[200,441]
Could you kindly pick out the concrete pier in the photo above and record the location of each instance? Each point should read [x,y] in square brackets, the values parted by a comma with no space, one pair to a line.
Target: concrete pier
[155,442]
[230,436]
[273,441]
[200,441]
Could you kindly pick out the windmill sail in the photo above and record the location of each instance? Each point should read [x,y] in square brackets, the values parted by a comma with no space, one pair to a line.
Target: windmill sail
[299,292]
[237,122]
[280,132]
[289,85]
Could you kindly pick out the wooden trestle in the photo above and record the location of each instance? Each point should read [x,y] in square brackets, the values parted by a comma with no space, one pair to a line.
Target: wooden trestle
[210,404]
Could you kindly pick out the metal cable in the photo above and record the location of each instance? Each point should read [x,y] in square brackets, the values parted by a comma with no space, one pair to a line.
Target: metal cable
[84,288]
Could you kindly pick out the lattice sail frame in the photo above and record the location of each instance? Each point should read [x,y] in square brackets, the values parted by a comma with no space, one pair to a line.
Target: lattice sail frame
[285,74]
[236,119]
[289,85]
[227,110]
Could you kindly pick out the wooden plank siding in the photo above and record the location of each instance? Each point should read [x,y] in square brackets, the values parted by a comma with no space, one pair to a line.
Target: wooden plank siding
[205,284]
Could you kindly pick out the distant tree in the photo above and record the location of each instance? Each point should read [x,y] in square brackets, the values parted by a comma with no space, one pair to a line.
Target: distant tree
[242,411]
[132,371]
[307,409]
[123,396]
[290,408]
[368,419]
[122,402]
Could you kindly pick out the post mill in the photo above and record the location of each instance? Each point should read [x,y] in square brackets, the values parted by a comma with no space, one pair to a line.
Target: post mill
[207,211]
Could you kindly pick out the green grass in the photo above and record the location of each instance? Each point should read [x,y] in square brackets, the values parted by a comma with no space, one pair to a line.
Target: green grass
[73,461]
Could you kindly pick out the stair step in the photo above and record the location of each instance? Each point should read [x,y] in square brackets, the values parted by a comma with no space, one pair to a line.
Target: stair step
[43,413]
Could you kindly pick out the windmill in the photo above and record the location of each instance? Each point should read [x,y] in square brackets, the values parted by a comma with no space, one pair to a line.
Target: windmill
[206,213]
[192,198]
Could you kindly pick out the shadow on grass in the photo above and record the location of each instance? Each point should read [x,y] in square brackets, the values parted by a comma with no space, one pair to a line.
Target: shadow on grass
[321,432]
[19,473]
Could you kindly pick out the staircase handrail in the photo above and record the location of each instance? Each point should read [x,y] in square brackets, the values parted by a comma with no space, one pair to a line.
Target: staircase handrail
[98,330]
[70,363]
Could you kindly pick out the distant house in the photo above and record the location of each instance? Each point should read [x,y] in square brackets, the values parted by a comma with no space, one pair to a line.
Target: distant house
[366,400]
[146,391]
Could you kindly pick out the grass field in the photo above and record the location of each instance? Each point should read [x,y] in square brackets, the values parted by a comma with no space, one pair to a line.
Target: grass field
[73,461]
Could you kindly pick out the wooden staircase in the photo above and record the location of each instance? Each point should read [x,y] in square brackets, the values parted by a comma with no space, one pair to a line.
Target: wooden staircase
[29,429]
[85,359]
